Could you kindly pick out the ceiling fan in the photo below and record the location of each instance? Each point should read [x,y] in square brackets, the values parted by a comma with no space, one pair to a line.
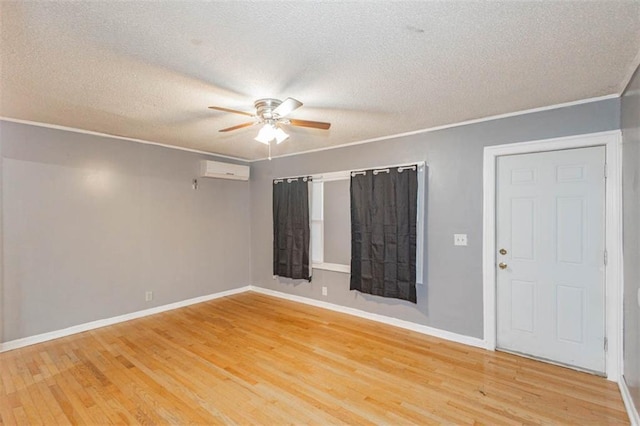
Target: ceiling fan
[273,113]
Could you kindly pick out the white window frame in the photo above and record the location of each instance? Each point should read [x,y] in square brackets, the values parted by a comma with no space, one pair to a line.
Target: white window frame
[317,196]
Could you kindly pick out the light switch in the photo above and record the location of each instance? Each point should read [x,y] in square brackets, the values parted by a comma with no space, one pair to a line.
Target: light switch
[459,239]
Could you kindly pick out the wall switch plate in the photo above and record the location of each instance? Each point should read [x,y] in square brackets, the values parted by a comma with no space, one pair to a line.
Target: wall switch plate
[459,239]
[324,291]
[148,296]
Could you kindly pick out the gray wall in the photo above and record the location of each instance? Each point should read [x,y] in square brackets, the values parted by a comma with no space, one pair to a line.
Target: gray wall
[91,223]
[1,252]
[451,298]
[630,123]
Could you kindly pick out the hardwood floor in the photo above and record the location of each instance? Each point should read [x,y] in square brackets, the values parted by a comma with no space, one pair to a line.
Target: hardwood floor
[254,359]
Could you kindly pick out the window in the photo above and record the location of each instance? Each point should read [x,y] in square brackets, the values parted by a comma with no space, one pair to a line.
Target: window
[317,223]
[331,222]
[337,222]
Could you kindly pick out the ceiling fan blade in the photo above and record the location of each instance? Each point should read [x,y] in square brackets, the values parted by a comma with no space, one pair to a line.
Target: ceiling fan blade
[231,110]
[286,107]
[313,124]
[239,126]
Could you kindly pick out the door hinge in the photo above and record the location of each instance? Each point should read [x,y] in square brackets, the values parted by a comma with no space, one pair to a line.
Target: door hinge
[606,257]
[606,344]
[606,170]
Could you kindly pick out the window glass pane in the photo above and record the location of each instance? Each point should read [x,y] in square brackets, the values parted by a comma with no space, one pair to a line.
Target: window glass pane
[316,242]
[337,222]
[316,200]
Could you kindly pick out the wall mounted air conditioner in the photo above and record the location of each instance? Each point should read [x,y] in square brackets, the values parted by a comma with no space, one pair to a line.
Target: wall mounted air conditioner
[216,169]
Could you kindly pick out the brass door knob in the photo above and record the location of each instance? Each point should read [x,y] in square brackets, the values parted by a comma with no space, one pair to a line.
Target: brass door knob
[502,265]
[503,252]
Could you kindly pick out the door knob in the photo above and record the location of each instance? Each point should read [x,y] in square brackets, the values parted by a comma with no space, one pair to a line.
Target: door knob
[502,265]
[503,252]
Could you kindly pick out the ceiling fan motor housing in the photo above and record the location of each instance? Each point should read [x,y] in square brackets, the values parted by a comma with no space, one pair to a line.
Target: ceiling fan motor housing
[265,107]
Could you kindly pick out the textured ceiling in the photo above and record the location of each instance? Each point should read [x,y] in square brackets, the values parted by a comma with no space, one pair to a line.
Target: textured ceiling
[148,70]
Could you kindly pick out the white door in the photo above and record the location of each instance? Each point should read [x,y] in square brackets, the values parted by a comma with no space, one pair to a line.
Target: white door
[550,261]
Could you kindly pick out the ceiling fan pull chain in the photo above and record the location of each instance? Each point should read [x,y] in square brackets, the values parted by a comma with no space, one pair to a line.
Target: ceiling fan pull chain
[269,150]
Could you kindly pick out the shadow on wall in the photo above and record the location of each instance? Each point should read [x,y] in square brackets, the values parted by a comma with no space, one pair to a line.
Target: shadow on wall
[291,282]
[370,298]
[361,300]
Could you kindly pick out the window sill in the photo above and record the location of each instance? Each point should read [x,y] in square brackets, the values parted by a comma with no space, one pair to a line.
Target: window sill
[335,267]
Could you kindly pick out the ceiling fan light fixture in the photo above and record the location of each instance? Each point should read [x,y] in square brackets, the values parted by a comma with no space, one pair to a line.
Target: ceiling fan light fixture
[280,135]
[266,134]
[270,132]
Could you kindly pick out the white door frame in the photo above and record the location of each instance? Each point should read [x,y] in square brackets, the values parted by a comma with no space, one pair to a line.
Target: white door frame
[613,234]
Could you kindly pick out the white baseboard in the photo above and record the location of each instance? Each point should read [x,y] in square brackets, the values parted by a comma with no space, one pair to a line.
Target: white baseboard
[632,411]
[26,341]
[435,332]
[442,334]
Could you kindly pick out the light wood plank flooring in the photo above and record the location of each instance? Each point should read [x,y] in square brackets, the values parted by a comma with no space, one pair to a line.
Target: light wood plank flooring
[254,359]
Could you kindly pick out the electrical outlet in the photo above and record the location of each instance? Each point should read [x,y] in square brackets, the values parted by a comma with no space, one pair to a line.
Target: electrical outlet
[148,296]
[324,291]
[459,239]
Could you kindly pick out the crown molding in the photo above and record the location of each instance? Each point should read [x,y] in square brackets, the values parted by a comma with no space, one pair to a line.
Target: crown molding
[452,125]
[124,138]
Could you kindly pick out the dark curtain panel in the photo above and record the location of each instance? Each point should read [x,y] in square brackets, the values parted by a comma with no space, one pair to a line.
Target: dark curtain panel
[383,233]
[291,231]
